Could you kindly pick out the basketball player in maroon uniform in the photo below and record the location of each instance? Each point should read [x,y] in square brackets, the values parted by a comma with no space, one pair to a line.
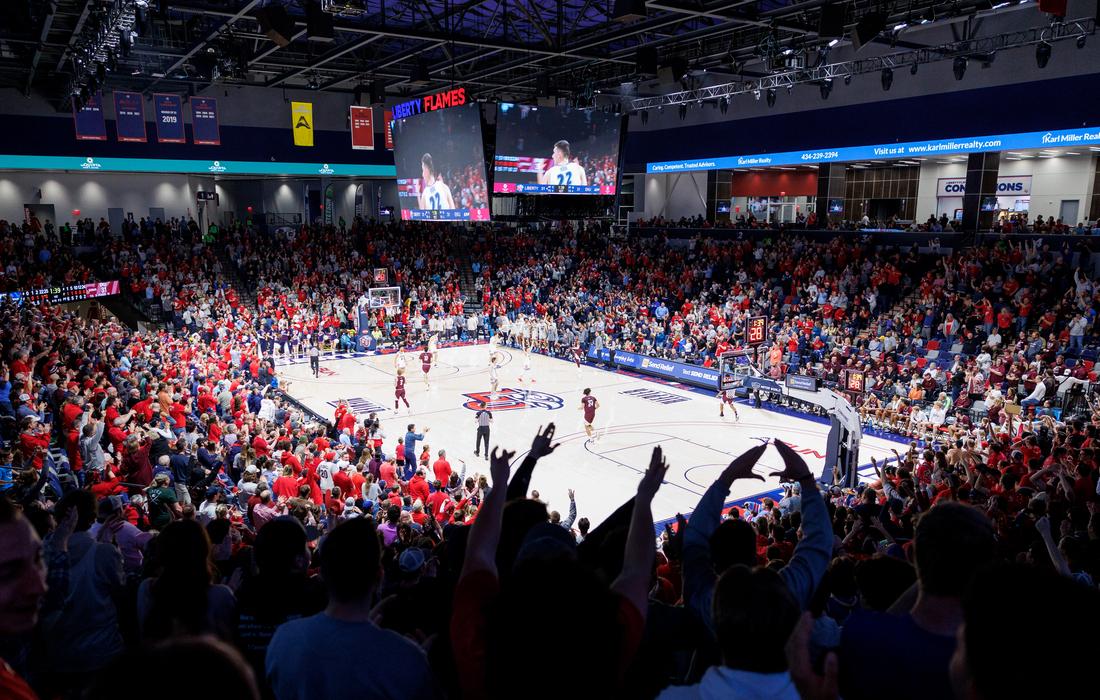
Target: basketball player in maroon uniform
[725,396]
[399,390]
[577,354]
[426,366]
[589,404]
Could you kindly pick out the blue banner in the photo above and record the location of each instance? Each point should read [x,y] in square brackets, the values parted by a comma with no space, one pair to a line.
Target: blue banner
[204,122]
[129,117]
[168,110]
[915,149]
[695,375]
[172,165]
[88,121]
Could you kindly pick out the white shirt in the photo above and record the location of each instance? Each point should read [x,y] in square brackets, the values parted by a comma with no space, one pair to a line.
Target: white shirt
[566,174]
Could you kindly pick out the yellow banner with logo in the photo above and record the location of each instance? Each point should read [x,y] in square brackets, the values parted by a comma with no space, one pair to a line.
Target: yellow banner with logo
[301,116]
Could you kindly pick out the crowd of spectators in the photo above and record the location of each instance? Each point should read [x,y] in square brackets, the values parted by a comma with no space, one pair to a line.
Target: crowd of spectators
[166,506]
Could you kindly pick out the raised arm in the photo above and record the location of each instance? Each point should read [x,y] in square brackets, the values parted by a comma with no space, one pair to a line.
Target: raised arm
[568,522]
[540,447]
[698,566]
[804,572]
[1056,558]
[481,545]
[634,579]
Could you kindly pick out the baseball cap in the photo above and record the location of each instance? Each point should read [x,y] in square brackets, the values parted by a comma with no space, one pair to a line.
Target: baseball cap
[110,505]
[411,560]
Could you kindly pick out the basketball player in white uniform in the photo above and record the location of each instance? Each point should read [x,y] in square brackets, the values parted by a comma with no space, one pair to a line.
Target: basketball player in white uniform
[564,171]
[527,373]
[399,361]
[494,374]
[435,194]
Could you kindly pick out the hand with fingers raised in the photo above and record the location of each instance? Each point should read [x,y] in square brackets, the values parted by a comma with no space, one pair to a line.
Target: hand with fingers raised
[541,445]
[654,475]
[500,466]
[795,468]
[741,468]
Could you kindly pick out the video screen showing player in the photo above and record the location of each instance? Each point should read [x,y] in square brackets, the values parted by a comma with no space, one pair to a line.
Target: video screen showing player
[556,150]
[441,166]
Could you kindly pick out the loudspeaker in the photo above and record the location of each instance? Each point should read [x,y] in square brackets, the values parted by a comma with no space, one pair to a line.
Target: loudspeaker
[628,10]
[1055,7]
[420,74]
[276,24]
[868,27]
[645,60]
[679,66]
[204,65]
[318,24]
[831,23]
[378,91]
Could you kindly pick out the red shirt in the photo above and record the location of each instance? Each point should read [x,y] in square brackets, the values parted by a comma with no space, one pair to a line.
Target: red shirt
[418,489]
[442,469]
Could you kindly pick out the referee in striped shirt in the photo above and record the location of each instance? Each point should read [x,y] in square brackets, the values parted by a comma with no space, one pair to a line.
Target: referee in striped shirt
[484,419]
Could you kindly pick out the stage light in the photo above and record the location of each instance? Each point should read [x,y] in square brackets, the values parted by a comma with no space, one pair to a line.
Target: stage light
[1042,54]
[959,67]
[683,112]
[771,97]
[826,88]
[848,79]
[724,105]
[913,69]
[645,117]
[1081,41]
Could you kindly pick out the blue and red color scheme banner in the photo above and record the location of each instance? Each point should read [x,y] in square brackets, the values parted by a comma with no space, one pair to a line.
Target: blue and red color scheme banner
[129,117]
[88,120]
[168,110]
[204,122]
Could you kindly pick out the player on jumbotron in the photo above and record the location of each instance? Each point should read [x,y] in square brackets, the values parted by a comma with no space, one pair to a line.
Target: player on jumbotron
[564,171]
[589,404]
[435,194]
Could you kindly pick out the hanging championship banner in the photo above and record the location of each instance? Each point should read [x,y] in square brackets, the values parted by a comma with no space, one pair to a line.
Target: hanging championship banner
[362,128]
[129,117]
[301,122]
[388,128]
[88,120]
[204,122]
[168,110]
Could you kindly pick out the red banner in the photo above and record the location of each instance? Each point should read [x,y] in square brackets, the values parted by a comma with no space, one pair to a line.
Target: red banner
[388,115]
[362,128]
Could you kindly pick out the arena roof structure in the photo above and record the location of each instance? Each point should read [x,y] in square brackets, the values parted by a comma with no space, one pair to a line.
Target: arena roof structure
[500,49]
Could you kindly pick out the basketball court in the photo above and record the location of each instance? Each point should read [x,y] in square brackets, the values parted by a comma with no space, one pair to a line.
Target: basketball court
[635,415]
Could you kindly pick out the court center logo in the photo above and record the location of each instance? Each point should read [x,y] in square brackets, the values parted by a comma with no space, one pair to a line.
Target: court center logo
[509,399]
